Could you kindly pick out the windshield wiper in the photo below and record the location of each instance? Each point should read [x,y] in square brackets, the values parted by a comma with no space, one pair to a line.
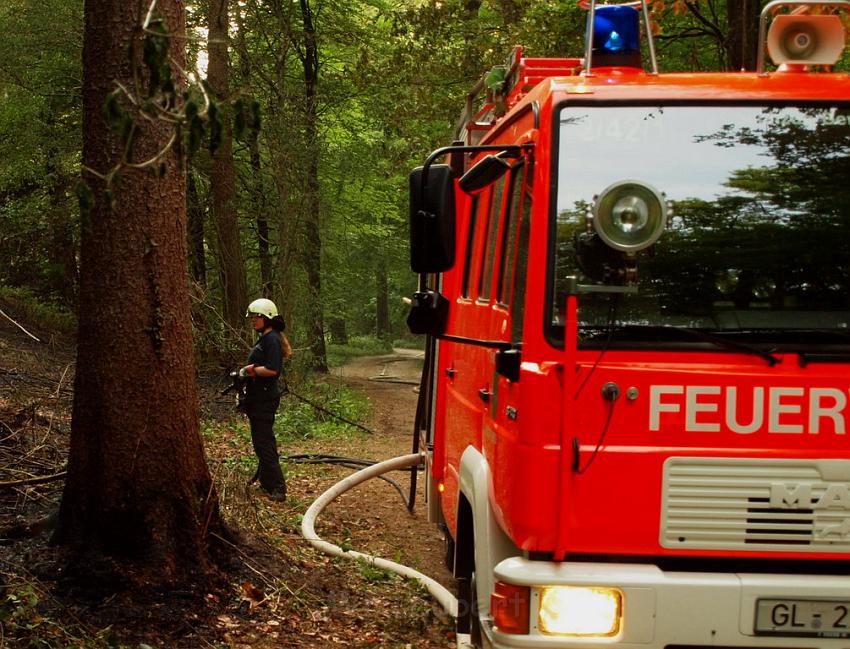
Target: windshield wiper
[822,337]
[696,334]
[817,335]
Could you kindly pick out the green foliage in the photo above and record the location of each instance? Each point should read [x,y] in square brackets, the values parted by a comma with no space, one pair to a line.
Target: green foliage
[31,308]
[392,80]
[357,346]
[40,130]
[155,57]
[25,623]
[297,419]
[372,573]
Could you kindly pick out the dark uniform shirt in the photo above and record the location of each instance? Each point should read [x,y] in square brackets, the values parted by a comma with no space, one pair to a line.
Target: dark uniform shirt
[268,353]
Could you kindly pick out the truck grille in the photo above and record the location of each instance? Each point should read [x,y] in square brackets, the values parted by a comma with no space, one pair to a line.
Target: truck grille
[753,504]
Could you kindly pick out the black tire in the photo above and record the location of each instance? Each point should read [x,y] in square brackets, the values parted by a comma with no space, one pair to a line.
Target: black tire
[464,607]
[475,634]
[449,556]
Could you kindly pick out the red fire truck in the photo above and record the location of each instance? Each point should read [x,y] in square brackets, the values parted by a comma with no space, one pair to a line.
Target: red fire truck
[636,293]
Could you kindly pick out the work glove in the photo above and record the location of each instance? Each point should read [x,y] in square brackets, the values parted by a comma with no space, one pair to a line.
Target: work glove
[243,373]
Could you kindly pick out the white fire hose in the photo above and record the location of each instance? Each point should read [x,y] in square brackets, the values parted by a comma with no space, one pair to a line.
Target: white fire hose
[308,531]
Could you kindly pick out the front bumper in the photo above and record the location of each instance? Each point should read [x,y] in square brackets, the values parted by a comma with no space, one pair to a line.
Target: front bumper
[664,609]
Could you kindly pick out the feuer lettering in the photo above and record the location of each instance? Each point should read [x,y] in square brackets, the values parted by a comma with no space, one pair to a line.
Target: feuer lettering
[780,404]
[757,418]
[695,405]
[820,410]
[746,410]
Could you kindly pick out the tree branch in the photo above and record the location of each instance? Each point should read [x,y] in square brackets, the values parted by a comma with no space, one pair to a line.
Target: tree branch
[18,325]
[32,481]
[712,27]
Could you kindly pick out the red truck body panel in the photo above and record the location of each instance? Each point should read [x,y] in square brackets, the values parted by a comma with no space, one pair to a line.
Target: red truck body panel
[614,507]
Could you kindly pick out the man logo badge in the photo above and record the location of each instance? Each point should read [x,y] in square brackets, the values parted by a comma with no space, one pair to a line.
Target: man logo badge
[835,496]
[800,496]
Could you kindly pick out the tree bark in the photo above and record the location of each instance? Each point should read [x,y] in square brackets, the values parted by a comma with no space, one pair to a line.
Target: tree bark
[197,255]
[263,249]
[138,489]
[312,257]
[62,235]
[258,194]
[742,21]
[512,11]
[223,175]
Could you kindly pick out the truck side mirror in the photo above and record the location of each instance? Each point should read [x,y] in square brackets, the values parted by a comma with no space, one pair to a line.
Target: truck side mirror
[483,173]
[432,219]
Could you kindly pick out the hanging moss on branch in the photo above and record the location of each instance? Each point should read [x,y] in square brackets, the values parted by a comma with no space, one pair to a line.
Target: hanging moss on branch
[154,97]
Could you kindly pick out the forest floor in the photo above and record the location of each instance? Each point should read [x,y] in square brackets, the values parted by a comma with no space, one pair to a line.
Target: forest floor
[279,591]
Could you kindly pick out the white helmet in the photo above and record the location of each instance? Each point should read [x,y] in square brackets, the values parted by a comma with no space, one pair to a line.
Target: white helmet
[262,307]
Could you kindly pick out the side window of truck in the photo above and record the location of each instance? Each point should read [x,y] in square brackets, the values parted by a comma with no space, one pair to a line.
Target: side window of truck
[477,213]
[509,235]
[484,280]
[518,301]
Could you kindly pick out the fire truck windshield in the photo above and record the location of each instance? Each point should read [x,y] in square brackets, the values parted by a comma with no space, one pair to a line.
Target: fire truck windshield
[758,246]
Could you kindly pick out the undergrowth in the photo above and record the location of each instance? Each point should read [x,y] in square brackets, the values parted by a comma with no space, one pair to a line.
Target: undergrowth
[357,346]
[26,622]
[319,410]
[30,308]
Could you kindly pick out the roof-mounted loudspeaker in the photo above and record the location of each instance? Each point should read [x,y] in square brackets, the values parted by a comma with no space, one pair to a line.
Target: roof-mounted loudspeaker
[805,40]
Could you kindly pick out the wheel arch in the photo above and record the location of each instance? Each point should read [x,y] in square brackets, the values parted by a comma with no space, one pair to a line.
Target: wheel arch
[481,542]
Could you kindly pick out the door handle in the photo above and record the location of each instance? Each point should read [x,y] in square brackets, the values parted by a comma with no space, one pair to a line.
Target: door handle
[484,394]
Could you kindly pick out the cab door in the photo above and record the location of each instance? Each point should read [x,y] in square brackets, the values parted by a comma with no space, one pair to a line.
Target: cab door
[466,367]
[501,420]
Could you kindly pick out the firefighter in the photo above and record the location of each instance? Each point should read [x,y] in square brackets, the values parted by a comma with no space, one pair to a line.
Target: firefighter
[262,392]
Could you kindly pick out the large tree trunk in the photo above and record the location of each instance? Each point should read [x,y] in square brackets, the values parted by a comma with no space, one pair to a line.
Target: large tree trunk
[286,241]
[197,254]
[312,254]
[262,220]
[138,488]
[222,178]
[258,194]
[62,239]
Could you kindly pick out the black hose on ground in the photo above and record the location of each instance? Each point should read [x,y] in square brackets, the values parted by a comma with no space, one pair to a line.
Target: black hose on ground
[348,462]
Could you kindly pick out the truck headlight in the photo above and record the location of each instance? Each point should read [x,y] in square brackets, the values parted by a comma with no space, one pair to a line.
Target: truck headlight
[580,611]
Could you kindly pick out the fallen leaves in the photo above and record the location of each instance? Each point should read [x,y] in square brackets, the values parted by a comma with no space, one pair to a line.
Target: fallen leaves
[252,595]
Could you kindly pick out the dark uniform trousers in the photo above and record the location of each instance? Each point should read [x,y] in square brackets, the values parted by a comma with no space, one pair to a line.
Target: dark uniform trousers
[261,413]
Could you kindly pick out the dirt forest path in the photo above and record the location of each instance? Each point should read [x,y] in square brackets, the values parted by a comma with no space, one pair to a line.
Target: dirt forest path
[372,517]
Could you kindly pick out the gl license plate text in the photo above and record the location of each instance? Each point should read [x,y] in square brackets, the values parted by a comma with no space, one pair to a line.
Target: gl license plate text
[803,617]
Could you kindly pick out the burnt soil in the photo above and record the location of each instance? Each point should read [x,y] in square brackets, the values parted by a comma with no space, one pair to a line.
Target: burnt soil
[275,590]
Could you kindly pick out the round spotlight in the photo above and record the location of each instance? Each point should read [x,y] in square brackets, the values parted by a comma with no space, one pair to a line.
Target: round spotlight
[629,215]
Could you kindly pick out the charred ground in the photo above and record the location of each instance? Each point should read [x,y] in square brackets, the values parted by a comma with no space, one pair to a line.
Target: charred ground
[273,589]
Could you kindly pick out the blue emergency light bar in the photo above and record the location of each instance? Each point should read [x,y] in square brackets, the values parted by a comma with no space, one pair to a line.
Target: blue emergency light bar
[616,36]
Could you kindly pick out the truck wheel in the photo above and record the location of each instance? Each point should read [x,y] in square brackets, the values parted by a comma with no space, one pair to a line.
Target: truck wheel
[449,547]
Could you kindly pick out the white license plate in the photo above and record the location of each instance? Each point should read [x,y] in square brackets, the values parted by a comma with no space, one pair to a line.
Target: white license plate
[803,617]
